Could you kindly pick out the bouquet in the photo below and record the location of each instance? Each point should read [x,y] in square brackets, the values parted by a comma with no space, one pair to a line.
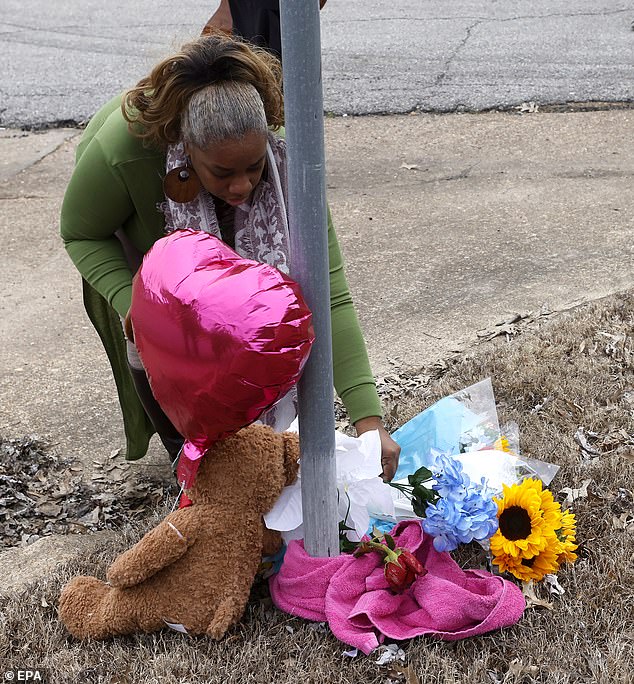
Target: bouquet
[469,483]
[462,476]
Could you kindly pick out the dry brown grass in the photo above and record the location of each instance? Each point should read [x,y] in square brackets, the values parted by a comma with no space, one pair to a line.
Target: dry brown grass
[582,377]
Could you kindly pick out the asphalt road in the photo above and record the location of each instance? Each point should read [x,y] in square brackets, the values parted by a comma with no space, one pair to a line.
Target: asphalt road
[62,60]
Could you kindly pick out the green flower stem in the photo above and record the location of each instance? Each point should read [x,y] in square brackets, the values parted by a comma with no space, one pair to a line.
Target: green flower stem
[389,555]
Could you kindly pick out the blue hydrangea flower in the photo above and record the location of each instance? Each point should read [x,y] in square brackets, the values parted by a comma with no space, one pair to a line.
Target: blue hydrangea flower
[465,511]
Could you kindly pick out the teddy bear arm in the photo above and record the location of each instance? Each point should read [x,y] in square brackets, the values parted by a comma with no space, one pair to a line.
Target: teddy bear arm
[159,548]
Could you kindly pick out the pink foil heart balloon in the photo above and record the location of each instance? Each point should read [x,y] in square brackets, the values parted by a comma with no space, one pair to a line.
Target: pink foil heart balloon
[222,338]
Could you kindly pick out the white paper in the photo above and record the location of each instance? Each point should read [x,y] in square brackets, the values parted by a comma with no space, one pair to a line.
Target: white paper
[176,626]
[496,467]
[361,491]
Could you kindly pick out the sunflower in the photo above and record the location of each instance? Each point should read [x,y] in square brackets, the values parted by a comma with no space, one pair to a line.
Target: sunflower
[528,518]
[551,509]
[512,564]
[502,444]
[546,562]
[567,536]
[534,536]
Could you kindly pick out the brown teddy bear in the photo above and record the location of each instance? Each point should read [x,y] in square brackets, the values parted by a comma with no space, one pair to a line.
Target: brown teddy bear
[197,566]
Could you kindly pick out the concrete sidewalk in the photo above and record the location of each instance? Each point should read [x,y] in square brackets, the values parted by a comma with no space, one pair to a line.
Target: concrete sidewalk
[449,224]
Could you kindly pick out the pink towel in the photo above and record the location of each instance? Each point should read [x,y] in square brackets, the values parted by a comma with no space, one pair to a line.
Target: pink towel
[352,595]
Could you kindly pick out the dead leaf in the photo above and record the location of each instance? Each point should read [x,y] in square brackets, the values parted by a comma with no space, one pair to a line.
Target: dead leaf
[625,522]
[627,453]
[518,669]
[90,518]
[528,107]
[551,583]
[390,653]
[544,402]
[37,495]
[407,672]
[176,626]
[623,502]
[573,494]
[118,475]
[410,167]
[580,438]
[63,490]
[49,509]
[532,600]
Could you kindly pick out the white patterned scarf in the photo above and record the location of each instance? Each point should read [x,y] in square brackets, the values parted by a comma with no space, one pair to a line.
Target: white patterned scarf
[261,233]
[261,223]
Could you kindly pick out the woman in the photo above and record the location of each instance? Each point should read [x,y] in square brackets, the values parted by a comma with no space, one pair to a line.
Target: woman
[191,147]
[257,21]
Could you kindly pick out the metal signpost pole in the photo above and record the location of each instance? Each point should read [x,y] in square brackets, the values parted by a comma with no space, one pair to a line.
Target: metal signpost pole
[303,106]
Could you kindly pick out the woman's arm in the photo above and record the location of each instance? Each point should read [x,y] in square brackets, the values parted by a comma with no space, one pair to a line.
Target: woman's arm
[96,204]
[353,377]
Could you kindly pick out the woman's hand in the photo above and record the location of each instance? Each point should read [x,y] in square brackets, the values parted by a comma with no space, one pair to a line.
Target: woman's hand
[127,327]
[221,20]
[390,450]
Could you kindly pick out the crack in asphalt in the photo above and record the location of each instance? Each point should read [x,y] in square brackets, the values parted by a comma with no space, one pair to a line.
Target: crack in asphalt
[545,107]
[564,15]
[484,19]
[441,77]
[115,45]
[85,49]
[79,30]
[46,125]
[30,40]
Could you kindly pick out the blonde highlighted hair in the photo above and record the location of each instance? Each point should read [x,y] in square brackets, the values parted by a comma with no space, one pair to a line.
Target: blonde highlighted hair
[215,88]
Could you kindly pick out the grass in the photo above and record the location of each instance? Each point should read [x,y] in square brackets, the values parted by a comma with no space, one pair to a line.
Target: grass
[576,370]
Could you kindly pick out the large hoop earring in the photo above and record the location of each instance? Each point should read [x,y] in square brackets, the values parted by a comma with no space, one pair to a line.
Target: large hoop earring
[182,184]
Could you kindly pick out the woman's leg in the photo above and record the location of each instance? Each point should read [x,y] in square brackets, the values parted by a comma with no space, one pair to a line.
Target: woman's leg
[169,435]
[258,21]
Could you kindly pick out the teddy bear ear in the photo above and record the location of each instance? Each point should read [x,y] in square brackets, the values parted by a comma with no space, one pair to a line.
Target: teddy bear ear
[291,456]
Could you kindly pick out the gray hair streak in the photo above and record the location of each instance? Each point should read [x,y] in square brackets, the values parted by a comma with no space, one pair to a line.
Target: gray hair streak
[225,110]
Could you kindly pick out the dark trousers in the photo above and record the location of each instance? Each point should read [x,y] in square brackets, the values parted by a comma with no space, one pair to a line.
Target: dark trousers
[170,437]
[258,21]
